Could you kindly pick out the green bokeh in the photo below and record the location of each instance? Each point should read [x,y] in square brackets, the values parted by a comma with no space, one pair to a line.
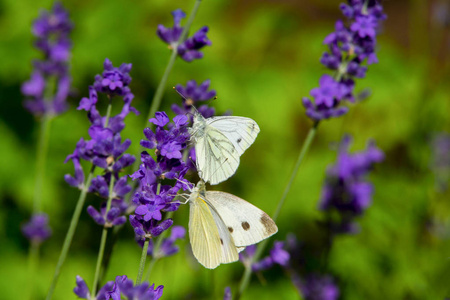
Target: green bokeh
[264,58]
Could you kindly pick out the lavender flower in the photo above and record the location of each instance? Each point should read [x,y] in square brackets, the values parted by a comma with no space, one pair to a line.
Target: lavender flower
[349,48]
[121,286]
[52,30]
[346,189]
[105,148]
[278,255]
[153,198]
[227,294]
[317,287]
[188,49]
[440,163]
[168,247]
[192,94]
[37,229]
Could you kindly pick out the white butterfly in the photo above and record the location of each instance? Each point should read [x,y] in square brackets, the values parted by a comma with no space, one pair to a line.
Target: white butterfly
[219,142]
[221,225]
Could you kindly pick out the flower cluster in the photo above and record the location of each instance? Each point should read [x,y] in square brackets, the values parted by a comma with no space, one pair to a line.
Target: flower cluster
[278,255]
[193,93]
[37,229]
[349,48]
[318,287]
[168,247]
[346,190]
[440,164]
[105,149]
[188,49]
[154,197]
[50,81]
[121,288]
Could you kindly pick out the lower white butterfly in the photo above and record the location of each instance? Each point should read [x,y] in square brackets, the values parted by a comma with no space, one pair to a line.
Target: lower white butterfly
[221,225]
[219,142]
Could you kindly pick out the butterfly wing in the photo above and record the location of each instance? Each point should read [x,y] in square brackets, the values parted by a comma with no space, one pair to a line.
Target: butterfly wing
[246,223]
[217,158]
[210,240]
[240,131]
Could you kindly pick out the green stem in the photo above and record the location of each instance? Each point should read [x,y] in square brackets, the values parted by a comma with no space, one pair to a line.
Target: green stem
[156,102]
[42,148]
[142,263]
[70,232]
[248,270]
[156,246]
[101,250]
[33,261]
[303,151]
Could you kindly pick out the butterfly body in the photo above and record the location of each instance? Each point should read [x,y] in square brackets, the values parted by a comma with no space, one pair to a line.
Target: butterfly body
[221,225]
[219,142]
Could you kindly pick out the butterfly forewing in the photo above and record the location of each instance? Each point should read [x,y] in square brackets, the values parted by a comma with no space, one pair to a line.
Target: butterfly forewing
[240,131]
[216,157]
[246,223]
[210,241]
[219,141]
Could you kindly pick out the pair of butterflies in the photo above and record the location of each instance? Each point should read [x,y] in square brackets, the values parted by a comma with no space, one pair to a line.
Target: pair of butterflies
[220,224]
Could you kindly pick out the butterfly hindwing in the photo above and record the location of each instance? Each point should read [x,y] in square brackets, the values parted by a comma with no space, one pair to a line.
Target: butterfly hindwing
[210,241]
[246,223]
[216,157]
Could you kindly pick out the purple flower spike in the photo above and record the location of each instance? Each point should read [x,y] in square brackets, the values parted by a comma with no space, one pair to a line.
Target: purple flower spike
[227,294]
[169,144]
[51,29]
[160,119]
[37,229]
[279,255]
[319,288]
[81,290]
[188,49]
[192,94]
[346,189]
[113,81]
[349,48]
[172,35]
[119,289]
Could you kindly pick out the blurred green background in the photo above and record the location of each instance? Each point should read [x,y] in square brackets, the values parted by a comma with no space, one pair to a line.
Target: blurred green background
[264,58]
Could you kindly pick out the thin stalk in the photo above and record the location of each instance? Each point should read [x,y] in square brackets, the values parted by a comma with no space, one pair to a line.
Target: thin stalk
[248,270]
[75,218]
[42,149]
[101,250]
[156,102]
[70,232]
[33,261]
[156,246]
[142,263]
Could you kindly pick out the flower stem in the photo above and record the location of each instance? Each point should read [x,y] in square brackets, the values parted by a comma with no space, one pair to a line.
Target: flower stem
[70,232]
[42,147]
[156,102]
[101,250]
[156,246]
[33,262]
[306,144]
[142,263]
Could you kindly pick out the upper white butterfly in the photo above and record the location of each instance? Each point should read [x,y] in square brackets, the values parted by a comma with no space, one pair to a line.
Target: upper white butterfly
[219,142]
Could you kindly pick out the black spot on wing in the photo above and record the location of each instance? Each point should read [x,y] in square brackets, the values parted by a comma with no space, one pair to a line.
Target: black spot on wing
[221,241]
[245,225]
[230,229]
[239,140]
